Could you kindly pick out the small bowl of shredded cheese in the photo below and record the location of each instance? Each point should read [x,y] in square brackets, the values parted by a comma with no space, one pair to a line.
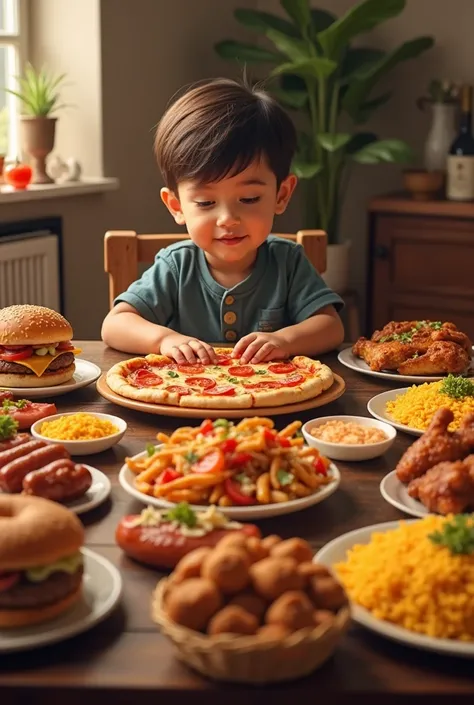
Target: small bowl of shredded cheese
[81,433]
[351,438]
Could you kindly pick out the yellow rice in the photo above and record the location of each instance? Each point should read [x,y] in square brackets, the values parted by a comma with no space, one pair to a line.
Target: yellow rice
[77,427]
[416,406]
[402,577]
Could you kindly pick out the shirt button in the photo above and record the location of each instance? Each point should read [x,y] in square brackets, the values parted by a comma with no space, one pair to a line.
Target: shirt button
[229,300]
[230,318]
[231,335]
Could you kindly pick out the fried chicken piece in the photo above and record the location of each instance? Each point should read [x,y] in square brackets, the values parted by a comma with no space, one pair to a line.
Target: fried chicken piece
[436,445]
[453,336]
[447,487]
[442,357]
[383,356]
[423,329]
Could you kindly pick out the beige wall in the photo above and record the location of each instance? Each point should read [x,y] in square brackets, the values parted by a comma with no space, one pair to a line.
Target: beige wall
[126,59]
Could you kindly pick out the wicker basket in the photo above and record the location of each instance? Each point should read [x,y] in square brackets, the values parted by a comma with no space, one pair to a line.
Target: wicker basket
[248,659]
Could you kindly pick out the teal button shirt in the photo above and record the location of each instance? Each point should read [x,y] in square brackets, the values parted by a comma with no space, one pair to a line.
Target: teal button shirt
[179,292]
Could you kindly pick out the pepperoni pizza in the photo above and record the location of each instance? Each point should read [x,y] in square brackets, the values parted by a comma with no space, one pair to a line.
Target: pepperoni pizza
[229,384]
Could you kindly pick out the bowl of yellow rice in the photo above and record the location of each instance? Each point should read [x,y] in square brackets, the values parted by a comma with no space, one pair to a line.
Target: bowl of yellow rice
[79,432]
[411,581]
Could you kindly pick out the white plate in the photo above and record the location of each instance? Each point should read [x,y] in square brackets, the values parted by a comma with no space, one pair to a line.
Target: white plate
[87,447]
[336,551]
[86,373]
[396,494]
[376,407]
[346,357]
[101,592]
[262,511]
[95,495]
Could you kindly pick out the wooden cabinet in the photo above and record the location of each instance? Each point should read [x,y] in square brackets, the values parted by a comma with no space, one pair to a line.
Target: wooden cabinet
[421,262]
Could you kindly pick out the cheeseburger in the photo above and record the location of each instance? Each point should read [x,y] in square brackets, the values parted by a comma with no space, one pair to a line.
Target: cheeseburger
[35,347]
[41,564]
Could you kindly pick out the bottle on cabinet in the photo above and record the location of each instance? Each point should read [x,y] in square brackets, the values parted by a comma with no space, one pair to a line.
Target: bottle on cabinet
[460,162]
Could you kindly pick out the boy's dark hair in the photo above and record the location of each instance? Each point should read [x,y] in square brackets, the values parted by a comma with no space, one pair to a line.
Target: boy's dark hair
[217,128]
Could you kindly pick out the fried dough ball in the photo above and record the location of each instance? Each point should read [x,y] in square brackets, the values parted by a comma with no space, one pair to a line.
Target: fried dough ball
[191,564]
[252,603]
[308,570]
[233,539]
[298,549]
[327,593]
[270,541]
[229,569]
[273,632]
[193,602]
[323,617]
[294,610]
[233,619]
[274,576]
[256,549]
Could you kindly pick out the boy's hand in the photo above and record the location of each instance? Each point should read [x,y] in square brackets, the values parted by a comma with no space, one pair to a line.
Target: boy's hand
[187,350]
[260,347]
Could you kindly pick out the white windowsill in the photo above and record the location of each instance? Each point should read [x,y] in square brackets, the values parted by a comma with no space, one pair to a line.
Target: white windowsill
[59,190]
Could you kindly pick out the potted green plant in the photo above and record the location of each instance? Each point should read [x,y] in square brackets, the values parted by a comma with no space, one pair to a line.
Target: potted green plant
[38,92]
[317,72]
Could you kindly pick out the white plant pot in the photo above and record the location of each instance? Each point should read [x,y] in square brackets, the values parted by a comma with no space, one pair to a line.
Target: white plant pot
[336,275]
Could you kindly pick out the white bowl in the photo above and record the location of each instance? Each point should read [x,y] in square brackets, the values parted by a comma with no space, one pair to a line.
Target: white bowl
[350,451]
[95,445]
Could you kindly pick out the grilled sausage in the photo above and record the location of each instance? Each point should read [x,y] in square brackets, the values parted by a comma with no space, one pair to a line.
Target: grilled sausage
[19,451]
[61,481]
[18,440]
[13,474]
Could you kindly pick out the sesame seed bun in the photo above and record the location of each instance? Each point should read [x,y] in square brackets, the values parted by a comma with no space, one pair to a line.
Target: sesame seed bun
[32,325]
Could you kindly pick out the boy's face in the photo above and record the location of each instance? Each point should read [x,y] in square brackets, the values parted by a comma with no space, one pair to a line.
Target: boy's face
[231,218]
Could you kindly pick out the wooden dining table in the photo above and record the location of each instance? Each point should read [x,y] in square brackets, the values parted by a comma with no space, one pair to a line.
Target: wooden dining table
[125,659]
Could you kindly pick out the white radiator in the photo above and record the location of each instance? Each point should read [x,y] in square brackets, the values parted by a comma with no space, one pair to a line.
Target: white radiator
[29,271]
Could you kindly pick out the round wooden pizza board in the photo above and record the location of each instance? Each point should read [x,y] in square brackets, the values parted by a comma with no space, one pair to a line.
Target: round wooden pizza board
[334,392]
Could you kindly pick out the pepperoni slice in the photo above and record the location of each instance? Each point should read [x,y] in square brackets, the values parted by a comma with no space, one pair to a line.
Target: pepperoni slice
[264,384]
[144,378]
[179,389]
[241,371]
[191,369]
[224,360]
[282,368]
[202,382]
[222,390]
[293,380]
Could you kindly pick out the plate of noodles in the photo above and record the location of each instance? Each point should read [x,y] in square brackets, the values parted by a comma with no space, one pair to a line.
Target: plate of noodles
[248,469]
[409,581]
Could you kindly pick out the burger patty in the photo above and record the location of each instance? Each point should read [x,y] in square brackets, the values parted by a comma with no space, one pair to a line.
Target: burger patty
[27,594]
[13,368]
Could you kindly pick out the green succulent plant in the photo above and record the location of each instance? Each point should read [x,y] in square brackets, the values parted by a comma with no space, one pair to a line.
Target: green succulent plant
[317,72]
[38,91]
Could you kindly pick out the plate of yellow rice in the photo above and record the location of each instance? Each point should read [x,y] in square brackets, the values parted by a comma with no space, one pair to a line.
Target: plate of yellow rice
[406,585]
[410,409]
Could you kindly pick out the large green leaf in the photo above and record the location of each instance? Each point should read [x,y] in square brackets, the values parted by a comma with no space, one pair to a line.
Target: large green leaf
[305,170]
[366,109]
[384,151]
[294,49]
[315,69]
[291,99]
[299,11]
[359,19]
[360,89]
[332,142]
[261,21]
[357,60]
[360,140]
[250,53]
[321,20]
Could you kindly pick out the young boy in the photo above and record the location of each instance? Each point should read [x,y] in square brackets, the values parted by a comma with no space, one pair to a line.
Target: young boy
[225,150]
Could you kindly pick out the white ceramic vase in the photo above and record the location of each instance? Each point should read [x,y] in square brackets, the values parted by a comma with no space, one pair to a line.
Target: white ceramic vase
[440,136]
[336,275]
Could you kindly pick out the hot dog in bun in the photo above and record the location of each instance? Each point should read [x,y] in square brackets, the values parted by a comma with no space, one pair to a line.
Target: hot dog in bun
[35,347]
[40,560]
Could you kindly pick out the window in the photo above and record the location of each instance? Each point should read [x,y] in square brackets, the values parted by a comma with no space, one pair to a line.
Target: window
[12,58]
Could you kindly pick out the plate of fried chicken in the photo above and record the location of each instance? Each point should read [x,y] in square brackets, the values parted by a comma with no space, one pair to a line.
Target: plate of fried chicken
[412,351]
[436,473]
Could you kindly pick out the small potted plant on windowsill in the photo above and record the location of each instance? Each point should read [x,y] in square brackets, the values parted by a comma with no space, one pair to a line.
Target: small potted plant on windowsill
[38,92]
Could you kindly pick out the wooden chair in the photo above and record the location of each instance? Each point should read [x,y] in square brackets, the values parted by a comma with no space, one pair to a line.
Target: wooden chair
[124,251]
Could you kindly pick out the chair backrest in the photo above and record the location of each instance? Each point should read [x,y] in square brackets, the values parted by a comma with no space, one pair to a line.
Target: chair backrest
[124,250]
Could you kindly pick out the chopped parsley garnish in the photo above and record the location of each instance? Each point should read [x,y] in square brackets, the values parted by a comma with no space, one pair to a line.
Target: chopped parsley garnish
[457,535]
[8,427]
[191,457]
[407,337]
[285,478]
[436,325]
[233,380]
[20,404]
[243,479]
[223,423]
[183,514]
[457,387]
[171,373]
[260,372]
[150,449]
